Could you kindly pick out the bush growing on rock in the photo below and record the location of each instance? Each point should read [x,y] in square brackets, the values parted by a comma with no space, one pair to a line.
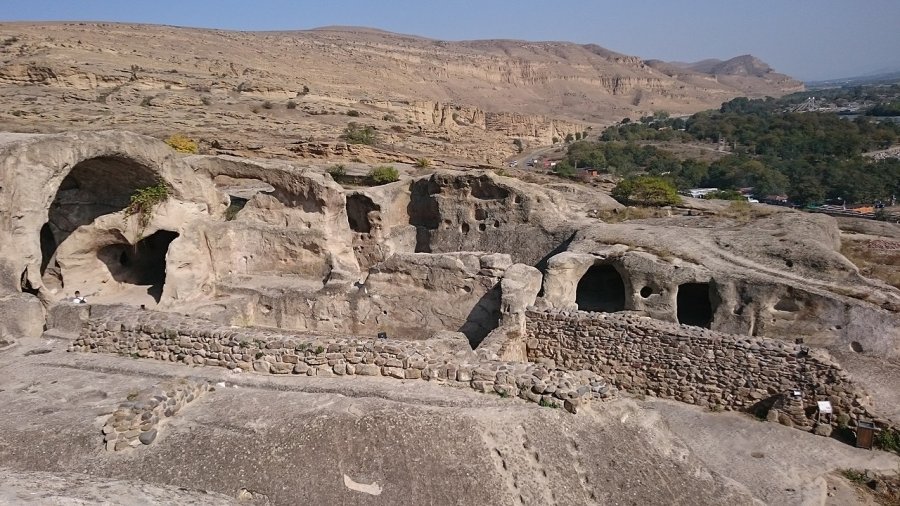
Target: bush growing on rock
[647,191]
[144,200]
[359,134]
[383,175]
[182,144]
[423,163]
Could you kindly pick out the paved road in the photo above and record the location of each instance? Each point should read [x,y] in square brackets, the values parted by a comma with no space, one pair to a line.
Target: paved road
[523,158]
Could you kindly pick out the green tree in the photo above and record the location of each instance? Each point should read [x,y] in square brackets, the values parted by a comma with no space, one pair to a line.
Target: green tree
[647,191]
[564,169]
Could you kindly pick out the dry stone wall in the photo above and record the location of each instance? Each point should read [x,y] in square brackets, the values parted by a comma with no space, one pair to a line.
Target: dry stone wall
[690,364]
[175,338]
[136,421]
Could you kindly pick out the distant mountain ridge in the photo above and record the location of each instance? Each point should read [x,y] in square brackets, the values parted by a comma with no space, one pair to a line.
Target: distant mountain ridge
[744,65]
[586,83]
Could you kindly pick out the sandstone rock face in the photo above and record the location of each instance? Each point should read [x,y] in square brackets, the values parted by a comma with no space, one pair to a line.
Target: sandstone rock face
[782,276]
[21,315]
[486,212]
[450,251]
[64,195]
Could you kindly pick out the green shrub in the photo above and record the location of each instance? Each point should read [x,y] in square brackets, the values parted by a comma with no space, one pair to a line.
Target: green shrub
[518,144]
[359,134]
[144,200]
[291,104]
[353,113]
[854,475]
[888,440]
[564,169]
[267,105]
[383,175]
[423,163]
[647,191]
[547,404]
[337,171]
[182,144]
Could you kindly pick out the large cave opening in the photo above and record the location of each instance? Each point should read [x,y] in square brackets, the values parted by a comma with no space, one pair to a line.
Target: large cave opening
[358,209]
[601,289]
[695,305]
[143,264]
[93,188]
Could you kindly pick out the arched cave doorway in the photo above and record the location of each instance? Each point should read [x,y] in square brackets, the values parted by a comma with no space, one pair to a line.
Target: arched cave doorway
[695,305]
[142,264]
[93,188]
[601,289]
[358,209]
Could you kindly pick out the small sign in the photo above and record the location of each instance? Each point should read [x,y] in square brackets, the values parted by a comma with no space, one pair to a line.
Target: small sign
[824,407]
[382,335]
[797,393]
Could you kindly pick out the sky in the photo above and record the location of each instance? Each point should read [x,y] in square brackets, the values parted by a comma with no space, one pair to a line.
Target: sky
[807,39]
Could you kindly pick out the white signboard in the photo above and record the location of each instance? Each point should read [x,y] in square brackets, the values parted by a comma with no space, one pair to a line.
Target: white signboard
[824,407]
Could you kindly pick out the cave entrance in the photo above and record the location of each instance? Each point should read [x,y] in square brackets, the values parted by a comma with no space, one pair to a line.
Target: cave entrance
[695,305]
[142,264]
[601,289]
[358,209]
[93,188]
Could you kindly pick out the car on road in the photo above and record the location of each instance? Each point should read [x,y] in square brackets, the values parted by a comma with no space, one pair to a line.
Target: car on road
[514,163]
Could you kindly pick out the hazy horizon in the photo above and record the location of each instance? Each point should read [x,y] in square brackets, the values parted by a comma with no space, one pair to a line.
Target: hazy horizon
[828,39]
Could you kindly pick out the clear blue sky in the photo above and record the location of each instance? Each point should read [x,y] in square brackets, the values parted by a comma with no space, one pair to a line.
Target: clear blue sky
[808,39]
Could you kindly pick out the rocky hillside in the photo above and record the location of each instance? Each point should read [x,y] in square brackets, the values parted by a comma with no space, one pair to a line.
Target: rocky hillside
[158,78]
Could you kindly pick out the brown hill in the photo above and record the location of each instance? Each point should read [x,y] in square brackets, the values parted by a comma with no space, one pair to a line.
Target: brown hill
[156,79]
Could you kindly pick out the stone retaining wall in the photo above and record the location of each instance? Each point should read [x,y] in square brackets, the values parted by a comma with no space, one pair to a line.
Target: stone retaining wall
[691,364]
[137,420]
[175,338]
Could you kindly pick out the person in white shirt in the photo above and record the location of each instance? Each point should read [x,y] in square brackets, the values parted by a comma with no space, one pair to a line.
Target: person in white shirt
[78,299]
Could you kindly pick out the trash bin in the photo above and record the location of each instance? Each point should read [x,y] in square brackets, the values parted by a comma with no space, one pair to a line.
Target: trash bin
[865,435]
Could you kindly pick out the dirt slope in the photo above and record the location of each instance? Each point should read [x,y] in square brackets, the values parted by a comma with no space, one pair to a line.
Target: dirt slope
[458,99]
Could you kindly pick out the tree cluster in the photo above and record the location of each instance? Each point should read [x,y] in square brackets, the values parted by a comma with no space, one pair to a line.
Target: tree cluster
[809,157]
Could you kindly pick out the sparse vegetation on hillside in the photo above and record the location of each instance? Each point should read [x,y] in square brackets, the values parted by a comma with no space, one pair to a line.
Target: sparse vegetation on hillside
[383,175]
[423,163]
[359,134]
[182,144]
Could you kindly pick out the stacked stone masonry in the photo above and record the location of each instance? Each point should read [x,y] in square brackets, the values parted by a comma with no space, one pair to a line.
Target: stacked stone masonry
[175,338]
[691,364]
[136,421]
